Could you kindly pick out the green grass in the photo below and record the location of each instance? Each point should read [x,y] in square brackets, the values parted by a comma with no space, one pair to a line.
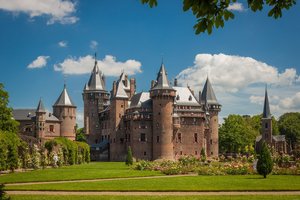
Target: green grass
[192,183]
[246,197]
[92,170]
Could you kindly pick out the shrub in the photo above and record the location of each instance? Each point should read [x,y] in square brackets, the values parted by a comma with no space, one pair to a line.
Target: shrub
[3,194]
[129,159]
[264,163]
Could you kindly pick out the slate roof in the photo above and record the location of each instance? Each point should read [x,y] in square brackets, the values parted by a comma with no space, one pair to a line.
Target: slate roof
[208,96]
[96,81]
[121,90]
[30,115]
[64,99]
[162,79]
[266,111]
[258,138]
[279,138]
[40,107]
[142,100]
[184,96]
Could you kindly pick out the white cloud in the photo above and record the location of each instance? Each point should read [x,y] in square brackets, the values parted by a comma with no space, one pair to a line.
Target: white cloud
[233,73]
[79,118]
[60,11]
[109,66]
[39,62]
[93,45]
[236,7]
[63,44]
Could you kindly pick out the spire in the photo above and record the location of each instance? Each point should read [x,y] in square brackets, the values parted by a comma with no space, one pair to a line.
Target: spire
[162,79]
[40,108]
[208,96]
[96,81]
[266,112]
[64,99]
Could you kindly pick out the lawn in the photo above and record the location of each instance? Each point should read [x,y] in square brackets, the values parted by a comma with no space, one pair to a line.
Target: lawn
[94,170]
[248,197]
[188,183]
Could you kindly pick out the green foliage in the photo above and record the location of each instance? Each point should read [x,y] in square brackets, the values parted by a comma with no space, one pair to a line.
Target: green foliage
[3,194]
[129,159]
[203,155]
[7,123]
[9,143]
[236,134]
[289,125]
[80,136]
[213,14]
[255,122]
[265,162]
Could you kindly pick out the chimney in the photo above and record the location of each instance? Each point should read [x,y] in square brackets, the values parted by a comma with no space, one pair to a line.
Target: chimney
[132,87]
[126,81]
[153,83]
[114,88]
[103,78]
[175,82]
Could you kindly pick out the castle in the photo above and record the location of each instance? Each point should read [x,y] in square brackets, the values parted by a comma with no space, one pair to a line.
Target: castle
[43,125]
[165,123]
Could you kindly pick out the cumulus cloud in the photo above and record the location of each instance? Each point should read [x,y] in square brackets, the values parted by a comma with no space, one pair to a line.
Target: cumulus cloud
[63,44]
[236,7]
[39,62]
[60,11]
[93,45]
[109,66]
[233,73]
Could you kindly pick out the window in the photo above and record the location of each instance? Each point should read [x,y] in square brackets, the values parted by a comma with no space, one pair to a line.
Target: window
[143,137]
[121,106]
[266,125]
[157,139]
[195,137]
[211,153]
[179,137]
[145,153]
[196,152]
[51,128]
[210,141]
[180,152]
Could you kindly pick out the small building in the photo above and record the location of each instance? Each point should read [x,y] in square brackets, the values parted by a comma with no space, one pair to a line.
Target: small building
[277,142]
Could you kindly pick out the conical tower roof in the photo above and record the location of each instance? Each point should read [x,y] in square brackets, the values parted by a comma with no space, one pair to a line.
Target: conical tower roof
[64,99]
[96,81]
[40,107]
[162,79]
[208,96]
[266,111]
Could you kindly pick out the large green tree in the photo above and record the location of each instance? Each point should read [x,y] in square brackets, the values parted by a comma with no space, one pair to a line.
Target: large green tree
[236,135]
[213,13]
[7,123]
[255,122]
[289,125]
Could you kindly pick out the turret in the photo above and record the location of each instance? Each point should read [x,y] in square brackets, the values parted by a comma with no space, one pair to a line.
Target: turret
[95,98]
[40,120]
[212,107]
[266,121]
[65,110]
[162,95]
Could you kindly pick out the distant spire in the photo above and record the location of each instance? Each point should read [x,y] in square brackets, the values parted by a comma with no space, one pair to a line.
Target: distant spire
[64,99]
[95,58]
[40,107]
[208,96]
[96,81]
[266,111]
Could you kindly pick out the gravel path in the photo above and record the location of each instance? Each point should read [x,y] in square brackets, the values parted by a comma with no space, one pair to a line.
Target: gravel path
[273,193]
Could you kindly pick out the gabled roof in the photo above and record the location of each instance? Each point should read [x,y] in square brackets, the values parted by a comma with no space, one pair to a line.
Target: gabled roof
[266,111]
[30,115]
[208,96]
[124,80]
[40,107]
[279,138]
[64,99]
[96,81]
[142,100]
[120,90]
[184,96]
[162,79]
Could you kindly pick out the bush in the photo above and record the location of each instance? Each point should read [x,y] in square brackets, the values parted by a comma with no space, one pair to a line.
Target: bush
[264,163]
[3,194]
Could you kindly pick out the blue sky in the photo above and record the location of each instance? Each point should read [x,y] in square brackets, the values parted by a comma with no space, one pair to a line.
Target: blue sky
[40,45]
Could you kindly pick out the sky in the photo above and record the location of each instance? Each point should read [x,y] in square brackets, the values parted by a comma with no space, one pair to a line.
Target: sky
[47,43]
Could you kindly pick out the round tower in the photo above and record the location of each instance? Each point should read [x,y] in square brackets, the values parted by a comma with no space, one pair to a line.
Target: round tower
[162,95]
[65,110]
[40,114]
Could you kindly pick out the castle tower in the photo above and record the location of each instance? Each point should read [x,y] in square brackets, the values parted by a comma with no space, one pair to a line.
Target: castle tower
[119,104]
[40,120]
[162,95]
[95,99]
[65,110]
[266,121]
[208,98]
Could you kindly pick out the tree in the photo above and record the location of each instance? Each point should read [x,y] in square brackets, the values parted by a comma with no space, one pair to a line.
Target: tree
[7,123]
[129,159]
[213,14]
[3,194]
[235,135]
[255,122]
[289,125]
[264,163]
[80,136]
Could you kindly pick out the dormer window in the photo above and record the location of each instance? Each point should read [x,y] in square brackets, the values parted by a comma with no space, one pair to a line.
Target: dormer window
[177,97]
[190,98]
